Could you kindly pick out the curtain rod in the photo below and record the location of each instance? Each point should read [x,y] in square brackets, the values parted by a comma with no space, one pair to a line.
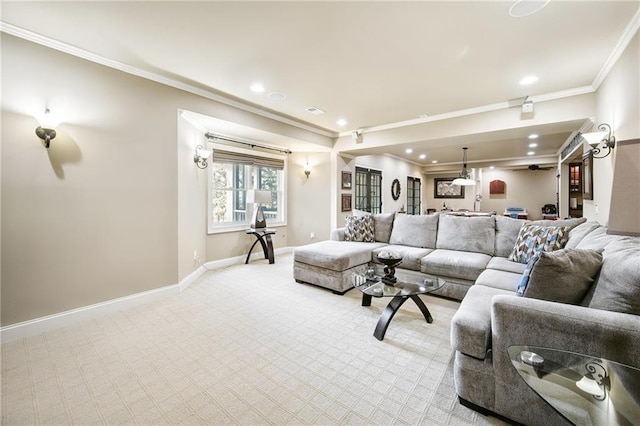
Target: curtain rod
[210,135]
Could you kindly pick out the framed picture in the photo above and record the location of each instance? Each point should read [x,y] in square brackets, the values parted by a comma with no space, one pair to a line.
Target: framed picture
[587,176]
[443,188]
[346,180]
[346,202]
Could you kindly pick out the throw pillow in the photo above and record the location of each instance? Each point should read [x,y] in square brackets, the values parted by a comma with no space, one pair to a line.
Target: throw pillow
[359,228]
[563,276]
[533,239]
[526,275]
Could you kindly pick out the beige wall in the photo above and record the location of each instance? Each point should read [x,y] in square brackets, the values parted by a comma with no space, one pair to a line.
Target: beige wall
[451,203]
[618,104]
[116,206]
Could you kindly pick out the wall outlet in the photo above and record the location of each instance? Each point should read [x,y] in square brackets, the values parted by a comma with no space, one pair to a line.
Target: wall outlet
[312,235]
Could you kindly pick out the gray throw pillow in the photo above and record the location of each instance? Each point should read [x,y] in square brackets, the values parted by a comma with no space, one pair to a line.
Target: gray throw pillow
[475,234]
[383,224]
[564,275]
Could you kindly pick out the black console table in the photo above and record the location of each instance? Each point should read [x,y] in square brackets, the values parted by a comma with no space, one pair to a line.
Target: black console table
[263,236]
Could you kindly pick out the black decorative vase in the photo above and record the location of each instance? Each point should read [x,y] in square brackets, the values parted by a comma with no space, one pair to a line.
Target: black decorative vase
[390,269]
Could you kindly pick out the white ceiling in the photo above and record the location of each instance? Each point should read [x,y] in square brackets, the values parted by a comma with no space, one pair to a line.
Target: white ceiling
[371,63]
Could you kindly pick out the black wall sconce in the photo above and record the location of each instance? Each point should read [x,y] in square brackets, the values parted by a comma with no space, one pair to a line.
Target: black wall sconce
[600,141]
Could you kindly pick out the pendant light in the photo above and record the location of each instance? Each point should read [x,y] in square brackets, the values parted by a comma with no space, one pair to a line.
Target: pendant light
[465,178]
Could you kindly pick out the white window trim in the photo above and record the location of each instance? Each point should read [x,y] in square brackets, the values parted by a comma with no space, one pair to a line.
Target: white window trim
[234,227]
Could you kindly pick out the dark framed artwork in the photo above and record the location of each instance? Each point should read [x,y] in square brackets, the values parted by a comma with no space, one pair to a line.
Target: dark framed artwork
[587,176]
[346,180]
[346,202]
[443,188]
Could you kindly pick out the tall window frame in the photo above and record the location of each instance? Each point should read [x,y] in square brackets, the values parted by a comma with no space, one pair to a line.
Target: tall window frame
[368,190]
[229,181]
[414,191]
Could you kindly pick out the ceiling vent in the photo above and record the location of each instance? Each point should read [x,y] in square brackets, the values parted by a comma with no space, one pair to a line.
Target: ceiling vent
[314,110]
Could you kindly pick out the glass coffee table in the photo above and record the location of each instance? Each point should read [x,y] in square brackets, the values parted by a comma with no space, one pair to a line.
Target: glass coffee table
[407,286]
[585,390]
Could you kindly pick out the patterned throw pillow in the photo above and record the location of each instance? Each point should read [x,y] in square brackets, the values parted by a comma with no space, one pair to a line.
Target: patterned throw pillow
[524,282]
[533,239]
[359,229]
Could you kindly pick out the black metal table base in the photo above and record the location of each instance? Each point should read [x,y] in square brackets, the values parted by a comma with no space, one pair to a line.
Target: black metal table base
[391,309]
[267,247]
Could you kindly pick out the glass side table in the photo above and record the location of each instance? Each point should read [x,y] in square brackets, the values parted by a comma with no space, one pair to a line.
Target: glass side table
[585,390]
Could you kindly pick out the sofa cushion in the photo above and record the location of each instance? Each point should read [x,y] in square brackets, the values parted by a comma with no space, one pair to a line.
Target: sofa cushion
[471,324]
[563,276]
[359,228]
[456,264]
[536,238]
[382,226]
[597,239]
[504,280]
[335,255]
[577,234]
[507,230]
[415,230]
[569,223]
[471,234]
[410,255]
[504,264]
[618,287]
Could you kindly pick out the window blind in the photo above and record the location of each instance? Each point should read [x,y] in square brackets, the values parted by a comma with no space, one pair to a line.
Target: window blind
[220,156]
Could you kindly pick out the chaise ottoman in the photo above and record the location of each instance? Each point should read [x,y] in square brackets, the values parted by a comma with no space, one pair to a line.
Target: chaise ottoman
[329,264]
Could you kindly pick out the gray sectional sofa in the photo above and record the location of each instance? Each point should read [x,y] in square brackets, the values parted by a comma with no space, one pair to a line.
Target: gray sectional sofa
[471,254]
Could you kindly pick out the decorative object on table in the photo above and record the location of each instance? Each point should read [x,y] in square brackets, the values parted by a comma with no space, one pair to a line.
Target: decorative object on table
[390,259]
[258,197]
[596,382]
[346,202]
[395,189]
[587,176]
[531,358]
[604,137]
[346,180]
[444,188]
[465,177]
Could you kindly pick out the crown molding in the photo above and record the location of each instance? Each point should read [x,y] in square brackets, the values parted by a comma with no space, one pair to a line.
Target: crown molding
[628,34]
[98,59]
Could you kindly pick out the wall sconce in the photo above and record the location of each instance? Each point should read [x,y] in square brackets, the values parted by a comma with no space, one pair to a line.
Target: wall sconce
[200,157]
[47,128]
[603,137]
[307,170]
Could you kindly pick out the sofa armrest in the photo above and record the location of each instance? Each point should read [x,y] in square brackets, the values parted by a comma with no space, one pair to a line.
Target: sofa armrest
[337,234]
[523,321]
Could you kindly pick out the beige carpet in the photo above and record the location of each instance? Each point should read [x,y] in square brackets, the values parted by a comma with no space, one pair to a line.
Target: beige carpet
[244,345]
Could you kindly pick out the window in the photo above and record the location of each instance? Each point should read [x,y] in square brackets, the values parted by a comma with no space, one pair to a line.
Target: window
[368,187]
[231,175]
[413,195]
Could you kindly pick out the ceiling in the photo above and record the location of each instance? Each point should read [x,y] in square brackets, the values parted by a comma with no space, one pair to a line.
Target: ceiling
[370,63]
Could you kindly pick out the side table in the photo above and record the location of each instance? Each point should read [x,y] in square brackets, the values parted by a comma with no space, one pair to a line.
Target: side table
[584,389]
[263,236]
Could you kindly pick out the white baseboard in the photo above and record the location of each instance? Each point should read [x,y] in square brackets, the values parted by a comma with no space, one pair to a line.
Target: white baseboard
[51,322]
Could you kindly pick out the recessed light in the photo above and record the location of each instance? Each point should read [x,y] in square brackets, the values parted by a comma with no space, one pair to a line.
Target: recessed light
[531,153]
[434,161]
[523,8]
[533,136]
[277,96]
[530,79]
[408,150]
[423,156]
[492,167]
[257,87]
[533,145]
[341,122]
